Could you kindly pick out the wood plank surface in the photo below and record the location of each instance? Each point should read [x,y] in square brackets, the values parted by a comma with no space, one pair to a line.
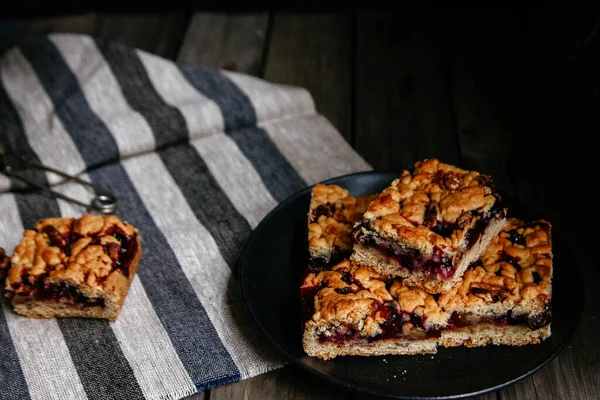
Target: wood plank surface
[234,42]
[315,51]
[487,93]
[287,383]
[160,34]
[16,32]
[402,95]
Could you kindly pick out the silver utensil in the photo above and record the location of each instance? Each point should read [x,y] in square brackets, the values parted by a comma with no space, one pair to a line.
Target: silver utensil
[104,202]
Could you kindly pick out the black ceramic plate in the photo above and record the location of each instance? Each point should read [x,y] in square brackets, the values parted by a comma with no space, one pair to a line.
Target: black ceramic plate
[270,277]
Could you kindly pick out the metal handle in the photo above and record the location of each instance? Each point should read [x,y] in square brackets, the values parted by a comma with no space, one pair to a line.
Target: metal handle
[104,202]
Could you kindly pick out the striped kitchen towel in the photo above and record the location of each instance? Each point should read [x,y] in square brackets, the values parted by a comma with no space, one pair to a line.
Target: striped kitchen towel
[197,157]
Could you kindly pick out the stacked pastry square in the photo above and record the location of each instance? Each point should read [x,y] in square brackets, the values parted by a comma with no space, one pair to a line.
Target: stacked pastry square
[433,260]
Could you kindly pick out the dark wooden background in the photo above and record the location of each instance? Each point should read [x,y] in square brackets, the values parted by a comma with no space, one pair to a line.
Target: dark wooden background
[510,92]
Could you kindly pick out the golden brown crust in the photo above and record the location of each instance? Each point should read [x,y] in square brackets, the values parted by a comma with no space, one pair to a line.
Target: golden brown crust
[332,214]
[485,334]
[432,212]
[74,267]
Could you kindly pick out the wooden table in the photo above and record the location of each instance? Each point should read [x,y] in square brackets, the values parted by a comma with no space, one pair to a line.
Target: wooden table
[510,93]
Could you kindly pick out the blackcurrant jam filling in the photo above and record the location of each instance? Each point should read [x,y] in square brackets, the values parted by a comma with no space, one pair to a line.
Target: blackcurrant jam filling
[534,322]
[122,256]
[326,209]
[66,294]
[516,238]
[61,292]
[410,259]
[497,295]
[56,238]
[511,260]
[473,234]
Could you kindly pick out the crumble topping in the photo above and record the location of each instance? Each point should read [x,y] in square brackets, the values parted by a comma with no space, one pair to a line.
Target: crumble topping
[350,295]
[434,205]
[75,252]
[347,294]
[514,271]
[332,214]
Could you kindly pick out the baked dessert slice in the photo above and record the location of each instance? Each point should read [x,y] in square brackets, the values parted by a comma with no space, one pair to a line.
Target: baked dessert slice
[67,267]
[505,296]
[349,310]
[331,216]
[429,225]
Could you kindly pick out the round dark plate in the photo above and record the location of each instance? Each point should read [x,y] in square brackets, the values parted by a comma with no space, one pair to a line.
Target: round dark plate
[270,273]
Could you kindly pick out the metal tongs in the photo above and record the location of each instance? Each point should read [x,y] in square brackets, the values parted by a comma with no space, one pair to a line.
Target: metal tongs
[104,201]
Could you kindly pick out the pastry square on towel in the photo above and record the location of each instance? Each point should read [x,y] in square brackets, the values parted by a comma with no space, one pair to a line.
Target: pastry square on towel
[429,225]
[68,267]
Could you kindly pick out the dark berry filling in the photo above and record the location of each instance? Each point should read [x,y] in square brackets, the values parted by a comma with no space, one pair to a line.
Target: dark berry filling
[431,221]
[497,295]
[326,209]
[511,260]
[56,239]
[443,229]
[516,238]
[534,322]
[473,234]
[66,293]
[349,279]
[122,256]
[410,259]
[59,292]
[4,263]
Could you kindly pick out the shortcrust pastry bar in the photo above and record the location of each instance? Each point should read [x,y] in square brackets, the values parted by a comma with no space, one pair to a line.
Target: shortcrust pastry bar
[429,225]
[68,267]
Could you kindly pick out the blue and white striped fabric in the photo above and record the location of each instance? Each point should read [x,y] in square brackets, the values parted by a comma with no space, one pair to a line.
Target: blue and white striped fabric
[197,158]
